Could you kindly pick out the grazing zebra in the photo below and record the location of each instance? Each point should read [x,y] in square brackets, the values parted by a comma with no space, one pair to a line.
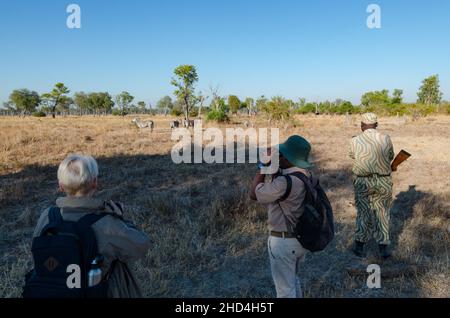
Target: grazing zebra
[144,124]
[248,124]
[174,124]
[188,123]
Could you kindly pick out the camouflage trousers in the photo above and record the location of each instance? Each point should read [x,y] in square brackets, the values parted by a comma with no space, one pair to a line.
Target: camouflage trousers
[373,198]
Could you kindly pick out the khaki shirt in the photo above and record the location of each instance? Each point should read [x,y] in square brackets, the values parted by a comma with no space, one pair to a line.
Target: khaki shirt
[116,239]
[270,192]
[372,153]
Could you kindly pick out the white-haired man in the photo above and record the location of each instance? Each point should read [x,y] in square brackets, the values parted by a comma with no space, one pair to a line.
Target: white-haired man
[118,241]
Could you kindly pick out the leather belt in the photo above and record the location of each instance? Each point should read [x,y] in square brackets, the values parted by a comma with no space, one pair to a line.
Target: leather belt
[282,234]
[374,175]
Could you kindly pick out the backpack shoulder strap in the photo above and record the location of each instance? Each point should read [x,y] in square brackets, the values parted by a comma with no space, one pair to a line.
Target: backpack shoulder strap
[308,181]
[91,218]
[54,220]
[288,188]
[54,214]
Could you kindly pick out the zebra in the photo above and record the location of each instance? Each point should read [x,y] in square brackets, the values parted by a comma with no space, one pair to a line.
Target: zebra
[248,124]
[188,123]
[143,124]
[174,124]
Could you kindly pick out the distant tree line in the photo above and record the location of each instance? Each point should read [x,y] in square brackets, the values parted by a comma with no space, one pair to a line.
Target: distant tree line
[189,103]
[57,102]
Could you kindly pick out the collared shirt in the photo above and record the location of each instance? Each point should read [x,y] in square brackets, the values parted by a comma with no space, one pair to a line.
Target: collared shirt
[290,209]
[372,153]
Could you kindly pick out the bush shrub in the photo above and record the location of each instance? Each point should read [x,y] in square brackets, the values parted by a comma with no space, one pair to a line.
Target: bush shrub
[39,114]
[308,108]
[217,115]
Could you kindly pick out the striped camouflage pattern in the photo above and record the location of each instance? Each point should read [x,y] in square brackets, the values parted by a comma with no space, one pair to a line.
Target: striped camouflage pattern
[372,153]
[373,198]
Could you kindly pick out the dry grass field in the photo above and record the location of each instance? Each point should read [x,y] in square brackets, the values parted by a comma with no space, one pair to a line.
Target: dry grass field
[208,238]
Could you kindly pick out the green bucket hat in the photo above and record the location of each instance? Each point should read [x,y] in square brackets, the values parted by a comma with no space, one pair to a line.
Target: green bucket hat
[296,149]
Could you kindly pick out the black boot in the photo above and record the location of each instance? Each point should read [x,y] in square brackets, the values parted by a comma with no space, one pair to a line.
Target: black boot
[358,249]
[384,251]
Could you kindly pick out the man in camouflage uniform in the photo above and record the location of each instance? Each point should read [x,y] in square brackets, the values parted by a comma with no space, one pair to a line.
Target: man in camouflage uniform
[372,154]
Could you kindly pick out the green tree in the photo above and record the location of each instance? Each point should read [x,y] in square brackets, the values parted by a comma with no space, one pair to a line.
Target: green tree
[81,100]
[100,102]
[261,103]
[184,82]
[218,112]
[93,102]
[301,103]
[429,93]
[307,108]
[24,100]
[277,108]
[123,101]
[250,104]
[64,104]
[376,98]
[165,105]
[397,96]
[57,95]
[234,103]
[141,107]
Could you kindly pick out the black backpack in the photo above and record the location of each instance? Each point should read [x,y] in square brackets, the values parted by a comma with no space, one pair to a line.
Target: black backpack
[61,244]
[315,227]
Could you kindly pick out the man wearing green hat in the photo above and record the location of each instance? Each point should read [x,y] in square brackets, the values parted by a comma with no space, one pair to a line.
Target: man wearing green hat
[372,154]
[285,251]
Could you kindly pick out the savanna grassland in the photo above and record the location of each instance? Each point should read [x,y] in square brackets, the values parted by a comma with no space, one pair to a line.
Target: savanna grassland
[208,238]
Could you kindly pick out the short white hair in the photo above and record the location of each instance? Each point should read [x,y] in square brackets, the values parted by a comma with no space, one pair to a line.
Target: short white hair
[76,173]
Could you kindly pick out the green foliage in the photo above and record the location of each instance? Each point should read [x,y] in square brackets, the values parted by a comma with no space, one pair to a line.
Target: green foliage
[39,114]
[92,102]
[397,96]
[219,115]
[307,108]
[57,97]
[184,82]
[176,111]
[119,112]
[345,107]
[401,109]
[218,112]
[249,104]
[123,100]
[261,103]
[234,103]
[375,98]
[165,104]
[278,108]
[429,92]
[24,100]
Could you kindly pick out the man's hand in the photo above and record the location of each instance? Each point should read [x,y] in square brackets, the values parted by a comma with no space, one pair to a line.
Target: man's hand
[114,207]
[259,178]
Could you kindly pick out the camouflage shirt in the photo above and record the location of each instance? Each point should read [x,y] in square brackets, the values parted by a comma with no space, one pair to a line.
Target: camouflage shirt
[372,153]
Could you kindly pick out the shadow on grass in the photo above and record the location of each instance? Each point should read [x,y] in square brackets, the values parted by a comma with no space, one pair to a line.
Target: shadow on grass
[402,210]
[188,195]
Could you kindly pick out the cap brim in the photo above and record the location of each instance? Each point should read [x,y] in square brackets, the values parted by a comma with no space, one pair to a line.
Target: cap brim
[296,162]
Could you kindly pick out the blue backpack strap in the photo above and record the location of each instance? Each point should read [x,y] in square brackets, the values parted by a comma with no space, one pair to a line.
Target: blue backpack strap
[54,215]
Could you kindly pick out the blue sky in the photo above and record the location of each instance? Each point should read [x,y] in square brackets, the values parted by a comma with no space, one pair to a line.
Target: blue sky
[314,49]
